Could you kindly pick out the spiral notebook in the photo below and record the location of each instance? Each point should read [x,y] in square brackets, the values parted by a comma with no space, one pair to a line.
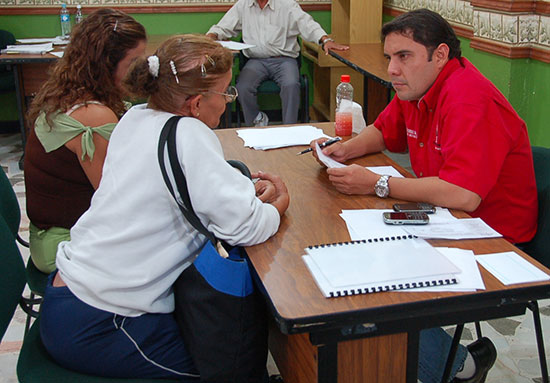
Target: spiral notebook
[378,264]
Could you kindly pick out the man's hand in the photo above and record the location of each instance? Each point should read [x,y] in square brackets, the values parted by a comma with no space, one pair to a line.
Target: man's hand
[213,36]
[353,179]
[334,46]
[336,151]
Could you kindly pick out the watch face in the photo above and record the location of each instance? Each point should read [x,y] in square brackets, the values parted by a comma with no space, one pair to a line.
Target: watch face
[381,188]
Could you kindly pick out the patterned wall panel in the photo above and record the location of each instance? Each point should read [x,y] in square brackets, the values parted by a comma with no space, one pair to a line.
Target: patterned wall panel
[502,27]
[95,3]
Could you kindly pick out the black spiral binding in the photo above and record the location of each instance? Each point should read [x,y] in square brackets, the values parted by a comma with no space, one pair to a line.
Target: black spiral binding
[381,288]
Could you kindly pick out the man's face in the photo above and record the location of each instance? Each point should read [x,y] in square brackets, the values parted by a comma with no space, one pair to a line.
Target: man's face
[410,71]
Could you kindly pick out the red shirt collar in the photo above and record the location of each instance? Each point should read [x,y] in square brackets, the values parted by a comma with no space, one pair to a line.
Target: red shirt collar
[429,100]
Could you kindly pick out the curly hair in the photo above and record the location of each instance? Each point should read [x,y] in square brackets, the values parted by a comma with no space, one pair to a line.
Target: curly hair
[199,62]
[86,72]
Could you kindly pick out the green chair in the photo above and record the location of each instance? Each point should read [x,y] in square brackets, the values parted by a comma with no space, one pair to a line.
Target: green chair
[11,213]
[538,248]
[13,279]
[7,81]
[34,363]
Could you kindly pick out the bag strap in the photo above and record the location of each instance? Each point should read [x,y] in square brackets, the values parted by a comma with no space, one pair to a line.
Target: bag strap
[168,138]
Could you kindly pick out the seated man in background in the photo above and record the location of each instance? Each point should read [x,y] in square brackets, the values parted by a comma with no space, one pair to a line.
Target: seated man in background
[272,26]
[467,145]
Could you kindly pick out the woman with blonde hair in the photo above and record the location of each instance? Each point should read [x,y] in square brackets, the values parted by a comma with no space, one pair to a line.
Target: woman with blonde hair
[109,308]
[73,116]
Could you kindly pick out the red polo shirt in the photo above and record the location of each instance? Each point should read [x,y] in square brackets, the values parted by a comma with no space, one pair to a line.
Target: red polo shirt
[465,132]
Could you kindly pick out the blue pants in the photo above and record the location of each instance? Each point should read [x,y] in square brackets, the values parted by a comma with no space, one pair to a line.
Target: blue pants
[284,71]
[432,355]
[92,341]
[85,339]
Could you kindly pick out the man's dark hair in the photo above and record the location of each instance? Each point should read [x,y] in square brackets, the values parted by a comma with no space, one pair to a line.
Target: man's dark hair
[427,28]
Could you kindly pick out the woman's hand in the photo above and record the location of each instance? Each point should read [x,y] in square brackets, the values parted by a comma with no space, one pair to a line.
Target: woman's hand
[265,190]
[279,197]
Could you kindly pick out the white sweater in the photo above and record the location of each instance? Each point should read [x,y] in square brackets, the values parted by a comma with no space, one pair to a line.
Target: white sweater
[127,250]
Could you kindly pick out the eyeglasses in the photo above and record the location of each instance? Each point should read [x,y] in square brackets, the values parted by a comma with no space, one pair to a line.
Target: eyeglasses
[230,95]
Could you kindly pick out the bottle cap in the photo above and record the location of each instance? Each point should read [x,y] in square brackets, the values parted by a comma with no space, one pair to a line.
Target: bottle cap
[345,78]
[63,5]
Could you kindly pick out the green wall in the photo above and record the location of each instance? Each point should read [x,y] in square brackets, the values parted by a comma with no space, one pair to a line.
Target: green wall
[525,82]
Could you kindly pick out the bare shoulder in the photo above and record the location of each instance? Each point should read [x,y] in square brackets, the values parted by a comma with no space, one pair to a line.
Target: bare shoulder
[94,115]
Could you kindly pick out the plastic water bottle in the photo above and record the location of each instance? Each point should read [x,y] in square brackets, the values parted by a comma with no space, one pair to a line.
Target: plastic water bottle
[65,21]
[78,16]
[343,125]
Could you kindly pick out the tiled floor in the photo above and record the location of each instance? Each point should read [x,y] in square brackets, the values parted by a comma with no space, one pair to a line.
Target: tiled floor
[514,337]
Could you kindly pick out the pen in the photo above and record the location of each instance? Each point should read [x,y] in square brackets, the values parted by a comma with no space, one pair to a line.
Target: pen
[324,144]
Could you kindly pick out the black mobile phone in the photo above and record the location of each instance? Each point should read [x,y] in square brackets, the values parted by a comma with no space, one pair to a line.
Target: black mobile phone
[424,207]
[405,218]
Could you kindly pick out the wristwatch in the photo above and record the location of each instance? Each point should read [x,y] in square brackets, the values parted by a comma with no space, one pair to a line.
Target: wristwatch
[326,40]
[382,187]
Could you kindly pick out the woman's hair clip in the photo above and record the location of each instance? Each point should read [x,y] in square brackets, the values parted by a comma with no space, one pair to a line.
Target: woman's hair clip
[116,25]
[174,71]
[203,67]
[154,65]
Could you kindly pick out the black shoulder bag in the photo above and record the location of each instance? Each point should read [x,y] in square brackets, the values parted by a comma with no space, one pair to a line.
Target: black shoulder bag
[221,316]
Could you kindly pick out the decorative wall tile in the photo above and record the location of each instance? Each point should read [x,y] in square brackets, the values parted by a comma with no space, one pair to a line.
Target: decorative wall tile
[510,29]
[528,28]
[544,36]
[484,25]
[495,20]
[475,23]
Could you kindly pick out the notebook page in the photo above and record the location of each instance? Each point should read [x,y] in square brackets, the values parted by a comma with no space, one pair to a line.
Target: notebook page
[348,265]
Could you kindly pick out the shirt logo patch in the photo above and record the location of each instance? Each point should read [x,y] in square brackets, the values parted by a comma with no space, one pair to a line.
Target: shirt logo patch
[412,133]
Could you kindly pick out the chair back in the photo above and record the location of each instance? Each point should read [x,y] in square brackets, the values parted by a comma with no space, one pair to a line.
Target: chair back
[9,207]
[7,82]
[13,278]
[539,246]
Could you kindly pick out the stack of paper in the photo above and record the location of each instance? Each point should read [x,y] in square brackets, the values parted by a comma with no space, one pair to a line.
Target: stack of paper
[59,40]
[234,45]
[378,265]
[467,228]
[511,268]
[271,138]
[29,48]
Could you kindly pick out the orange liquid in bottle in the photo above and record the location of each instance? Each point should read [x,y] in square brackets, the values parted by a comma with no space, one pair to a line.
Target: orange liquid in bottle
[343,125]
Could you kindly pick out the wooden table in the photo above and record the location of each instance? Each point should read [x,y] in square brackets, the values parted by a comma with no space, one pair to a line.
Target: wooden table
[365,338]
[368,59]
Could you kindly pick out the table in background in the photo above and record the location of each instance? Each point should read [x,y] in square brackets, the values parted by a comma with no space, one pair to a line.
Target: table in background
[368,59]
[362,338]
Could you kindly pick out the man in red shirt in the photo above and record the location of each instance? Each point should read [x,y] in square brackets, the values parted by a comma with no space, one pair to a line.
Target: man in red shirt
[468,148]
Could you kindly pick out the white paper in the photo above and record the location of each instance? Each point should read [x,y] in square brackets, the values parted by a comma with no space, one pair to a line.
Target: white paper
[328,161]
[469,278]
[29,48]
[58,40]
[385,170]
[36,41]
[353,264]
[234,45]
[368,223]
[511,268]
[467,228]
[271,138]
[58,54]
